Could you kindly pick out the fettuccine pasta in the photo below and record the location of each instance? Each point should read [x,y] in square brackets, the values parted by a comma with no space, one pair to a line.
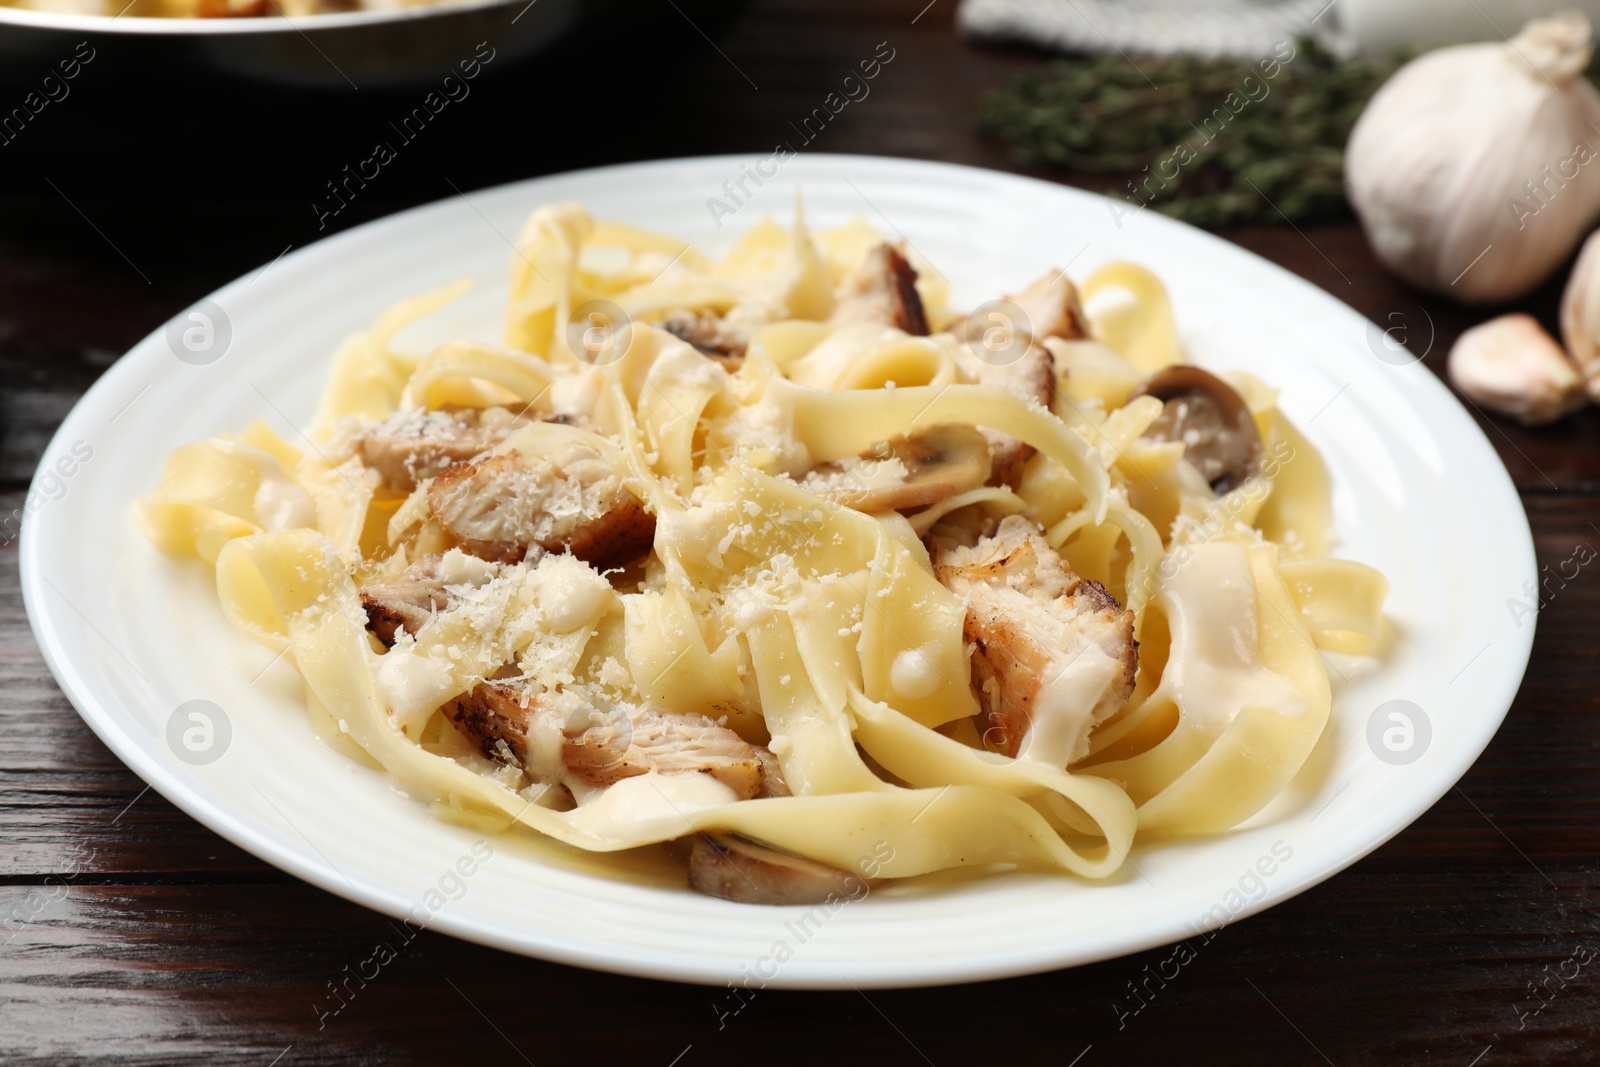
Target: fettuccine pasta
[778,556]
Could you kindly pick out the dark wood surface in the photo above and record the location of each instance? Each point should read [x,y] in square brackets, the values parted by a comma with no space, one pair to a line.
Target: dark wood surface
[1469,939]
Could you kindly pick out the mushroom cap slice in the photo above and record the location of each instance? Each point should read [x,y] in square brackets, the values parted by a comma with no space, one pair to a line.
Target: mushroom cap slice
[1211,420]
[745,871]
[907,471]
[707,332]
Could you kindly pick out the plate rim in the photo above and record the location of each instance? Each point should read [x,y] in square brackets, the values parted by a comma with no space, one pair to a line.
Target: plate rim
[1015,962]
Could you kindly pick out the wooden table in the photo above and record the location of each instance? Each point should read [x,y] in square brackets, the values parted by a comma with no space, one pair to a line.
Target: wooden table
[1469,939]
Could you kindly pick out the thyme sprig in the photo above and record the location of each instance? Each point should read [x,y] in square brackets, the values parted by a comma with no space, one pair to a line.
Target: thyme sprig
[1213,142]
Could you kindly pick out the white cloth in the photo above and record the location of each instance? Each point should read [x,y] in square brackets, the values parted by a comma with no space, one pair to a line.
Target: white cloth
[1209,28]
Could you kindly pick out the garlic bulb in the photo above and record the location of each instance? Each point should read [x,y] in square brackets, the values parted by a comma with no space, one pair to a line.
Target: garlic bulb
[1580,314]
[1474,169]
[1512,366]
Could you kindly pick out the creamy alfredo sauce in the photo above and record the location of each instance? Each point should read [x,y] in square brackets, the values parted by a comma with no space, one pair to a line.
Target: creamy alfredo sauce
[1215,669]
[280,502]
[1068,706]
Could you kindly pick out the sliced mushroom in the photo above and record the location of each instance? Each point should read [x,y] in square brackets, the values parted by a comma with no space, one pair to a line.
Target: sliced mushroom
[1211,420]
[1048,307]
[1032,377]
[906,471]
[739,869]
[706,331]
[217,9]
[574,419]
[883,290]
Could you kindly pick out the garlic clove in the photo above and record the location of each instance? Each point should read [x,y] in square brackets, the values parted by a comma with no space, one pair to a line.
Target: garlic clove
[1512,366]
[1476,168]
[1580,314]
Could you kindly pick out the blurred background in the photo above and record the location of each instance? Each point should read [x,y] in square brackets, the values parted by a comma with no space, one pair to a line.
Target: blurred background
[184,152]
[215,137]
[225,133]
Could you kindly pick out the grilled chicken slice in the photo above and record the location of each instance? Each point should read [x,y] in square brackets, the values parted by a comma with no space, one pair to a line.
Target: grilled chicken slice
[1052,654]
[599,749]
[1031,375]
[409,447]
[906,471]
[412,446]
[422,590]
[1052,308]
[883,290]
[407,603]
[597,754]
[500,506]
[772,781]
[707,332]
[494,718]
[667,743]
[1015,359]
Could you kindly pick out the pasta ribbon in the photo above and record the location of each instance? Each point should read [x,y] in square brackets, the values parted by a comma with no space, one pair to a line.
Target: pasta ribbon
[369,376]
[1243,694]
[714,429]
[1130,312]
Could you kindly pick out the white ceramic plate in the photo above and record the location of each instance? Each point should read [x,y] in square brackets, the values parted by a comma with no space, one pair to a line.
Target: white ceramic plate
[131,634]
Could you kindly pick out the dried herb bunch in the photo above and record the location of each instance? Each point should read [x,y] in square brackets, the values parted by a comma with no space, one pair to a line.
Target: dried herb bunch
[1213,142]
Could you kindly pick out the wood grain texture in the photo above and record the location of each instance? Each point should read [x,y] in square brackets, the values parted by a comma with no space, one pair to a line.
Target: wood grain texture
[130,934]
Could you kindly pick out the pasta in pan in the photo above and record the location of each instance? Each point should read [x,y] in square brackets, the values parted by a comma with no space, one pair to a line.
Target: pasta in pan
[777,555]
